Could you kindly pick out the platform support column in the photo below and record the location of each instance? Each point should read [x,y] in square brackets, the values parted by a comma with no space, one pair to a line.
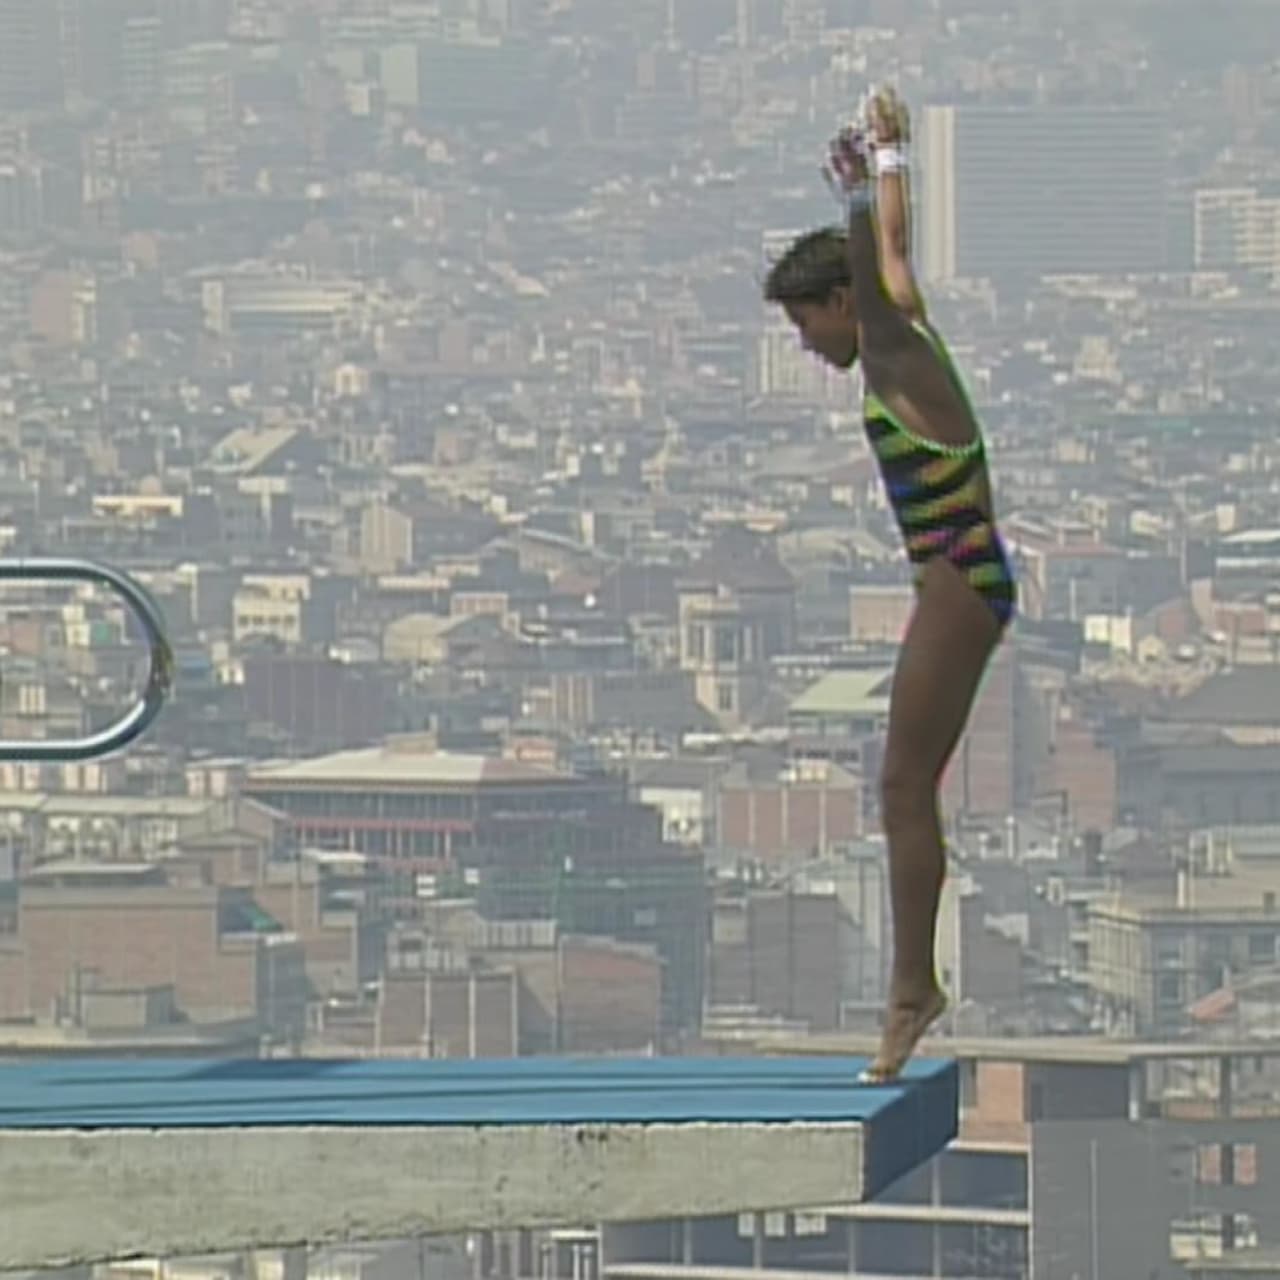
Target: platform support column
[289,1263]
[935,1197]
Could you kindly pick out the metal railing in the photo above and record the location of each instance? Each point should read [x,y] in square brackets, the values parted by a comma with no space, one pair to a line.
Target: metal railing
[134,722]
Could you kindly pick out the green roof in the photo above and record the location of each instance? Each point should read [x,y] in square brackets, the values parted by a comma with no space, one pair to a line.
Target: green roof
[247,917]
[846,693]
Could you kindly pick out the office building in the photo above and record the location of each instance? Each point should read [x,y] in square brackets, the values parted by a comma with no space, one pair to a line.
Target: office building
[1009,193]
[30,54]
[1236,227]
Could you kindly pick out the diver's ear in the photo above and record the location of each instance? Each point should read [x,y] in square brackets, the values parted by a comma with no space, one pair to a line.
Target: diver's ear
[842,299]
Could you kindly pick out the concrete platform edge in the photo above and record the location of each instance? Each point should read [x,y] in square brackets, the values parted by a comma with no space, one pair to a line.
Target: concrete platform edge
[913,1128]
[74,1197]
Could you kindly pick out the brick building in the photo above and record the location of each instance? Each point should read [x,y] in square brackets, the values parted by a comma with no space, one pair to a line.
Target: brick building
[526,842]
[469,987]
[781,954]
[125,926]
[779,810]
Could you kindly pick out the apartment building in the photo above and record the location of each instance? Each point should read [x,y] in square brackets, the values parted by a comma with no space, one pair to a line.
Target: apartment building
[1041,190]
[1151,963]
[1236,227]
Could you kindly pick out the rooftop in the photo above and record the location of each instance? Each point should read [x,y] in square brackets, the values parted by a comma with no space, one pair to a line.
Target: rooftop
[864,692]
[392,765]
[1094,1051]
[1264,1261]
[93,804]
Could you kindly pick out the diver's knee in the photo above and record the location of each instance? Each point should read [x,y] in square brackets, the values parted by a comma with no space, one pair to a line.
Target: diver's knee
[906,788]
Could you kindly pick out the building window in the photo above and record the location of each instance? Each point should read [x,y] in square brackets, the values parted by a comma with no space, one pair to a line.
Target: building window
[1244,1164]
[1229,1164]
[693,641]
[811,1224]
[1195,1236]
[982,1180]
[1262,947]
[1209,1164]
[982,1249]
[724,697]
[901,1248]
[1169,989]
[726,645]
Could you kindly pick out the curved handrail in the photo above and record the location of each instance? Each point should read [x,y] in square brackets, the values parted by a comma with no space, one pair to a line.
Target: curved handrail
[159,678]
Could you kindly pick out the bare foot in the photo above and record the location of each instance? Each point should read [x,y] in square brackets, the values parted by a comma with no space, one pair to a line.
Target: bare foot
[904,1026]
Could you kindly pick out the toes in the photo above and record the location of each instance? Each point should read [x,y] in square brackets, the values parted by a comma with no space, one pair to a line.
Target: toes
[877,1075]
[905,1027]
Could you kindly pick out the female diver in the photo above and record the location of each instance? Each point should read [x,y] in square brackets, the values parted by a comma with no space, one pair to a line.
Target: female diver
[852,296]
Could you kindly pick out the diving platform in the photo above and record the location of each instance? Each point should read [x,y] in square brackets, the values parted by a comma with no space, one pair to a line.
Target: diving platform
[104,1159]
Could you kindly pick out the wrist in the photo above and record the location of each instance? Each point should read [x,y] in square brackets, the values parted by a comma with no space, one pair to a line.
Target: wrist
[891,158]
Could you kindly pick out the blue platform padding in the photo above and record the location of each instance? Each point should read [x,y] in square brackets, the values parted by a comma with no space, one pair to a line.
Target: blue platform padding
[903,1123]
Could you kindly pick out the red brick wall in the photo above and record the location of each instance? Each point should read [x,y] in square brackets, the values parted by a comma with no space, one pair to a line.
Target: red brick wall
[14,1001]
[453,1034]
[1087,773]
[448,1000]
[537,970]
[143,938]
[610,995]
[402,1011]
[793,948]
[771,820]
[999,1110]
[497,1015]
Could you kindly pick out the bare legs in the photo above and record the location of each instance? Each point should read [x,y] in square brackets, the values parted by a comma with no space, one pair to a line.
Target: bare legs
[944,655]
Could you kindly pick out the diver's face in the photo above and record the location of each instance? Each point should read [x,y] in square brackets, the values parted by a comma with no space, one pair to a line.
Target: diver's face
[828,329]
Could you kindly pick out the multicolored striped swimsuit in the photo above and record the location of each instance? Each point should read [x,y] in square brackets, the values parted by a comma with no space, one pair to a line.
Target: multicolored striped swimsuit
[936,491]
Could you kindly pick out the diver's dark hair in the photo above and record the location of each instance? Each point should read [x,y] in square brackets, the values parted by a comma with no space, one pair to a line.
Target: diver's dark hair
[811,270]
